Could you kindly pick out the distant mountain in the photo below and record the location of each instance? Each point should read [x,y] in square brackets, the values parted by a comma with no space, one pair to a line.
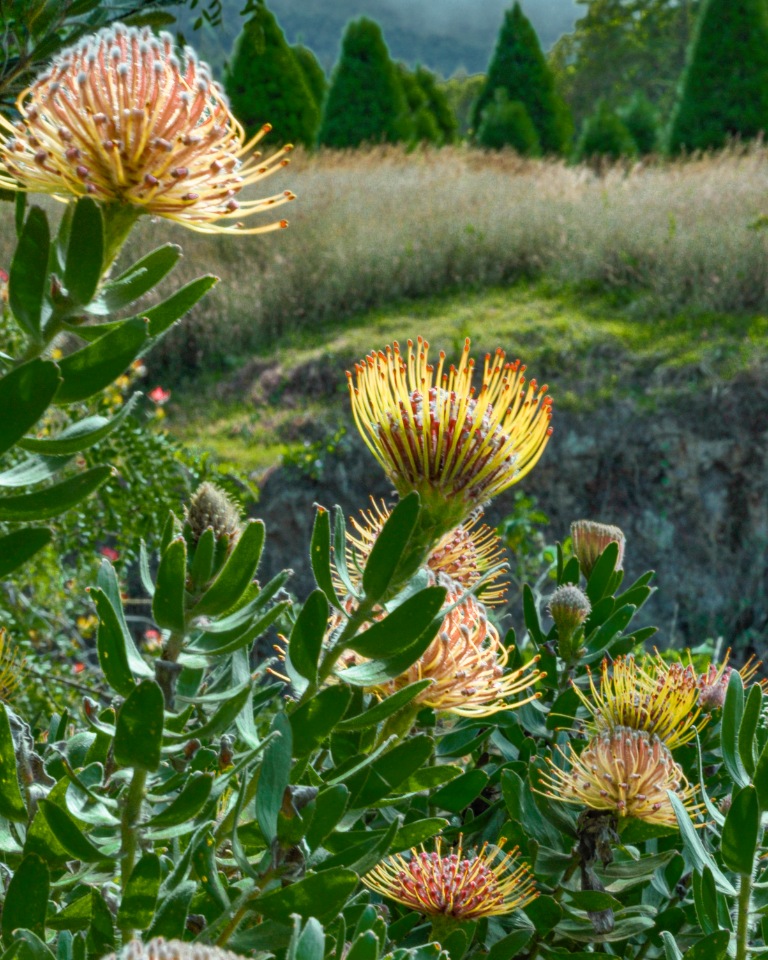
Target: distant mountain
[444,35]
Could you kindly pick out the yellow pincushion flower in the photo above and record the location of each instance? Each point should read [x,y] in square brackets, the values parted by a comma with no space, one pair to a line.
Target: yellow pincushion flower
[118,116]
[654,696]
[622,771]
[434,432]
[467,664]
[466,554]
[461,885]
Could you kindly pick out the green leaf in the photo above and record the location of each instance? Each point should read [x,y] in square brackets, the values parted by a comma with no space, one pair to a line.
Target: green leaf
[187,805]
[68,834]
[608,632]
[171,918]
[670,947]
[510,946]
[330,805]
[760,779]
[139,728]
[236,574]
[27,946]
[733,710]
[274,777]
[110,645]
[390,770]
[166,313]
[403,626]
[695,847]
[748,728]
[221,644]
[138,279]
[202,560]
[371,716]
[29,273]
[592,900]
[713,947]
[705,900]
[601,578]
[85,252]
[306,639]
[221,720]
[339,550]
[17,547]
[25,394]
[137,905]
[31,471]
[168,601]
[12,805]
[310,945]
[320,895]
[55,499]
[459,793]
[389,546]
[376,672]
[320,555]
[26,899]
[531,616]
[81,435]
[89,370]
[740,832]
[314,720]
[366,947]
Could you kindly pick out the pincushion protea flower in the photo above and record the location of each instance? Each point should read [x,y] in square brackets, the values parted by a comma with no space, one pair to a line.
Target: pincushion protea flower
[713,683]
[467,664]
[158,948]
[627,772]
[118,116]
[654,696]
[464,886]
[433,432]
[591,538]
[466,555]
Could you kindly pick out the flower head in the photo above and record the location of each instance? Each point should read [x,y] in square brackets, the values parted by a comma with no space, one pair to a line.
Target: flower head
[569,608]
[158,948]
[118,116]
[627,772]
[211,507]
[654,696]
[10,668]
[713,683]
[590,539]
[159,395]
[433,432]
[467,664]
[465,886]
[466,555]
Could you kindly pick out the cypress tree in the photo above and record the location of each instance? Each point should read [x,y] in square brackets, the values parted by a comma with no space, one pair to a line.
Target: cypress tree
[603,134]
[518,66]
[505,123]
[640,119]
[265,83]
[313,73]
[365,102]
[423,124]
[724,88]
[440,108]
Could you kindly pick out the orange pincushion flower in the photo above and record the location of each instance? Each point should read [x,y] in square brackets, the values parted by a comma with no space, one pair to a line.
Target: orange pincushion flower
[118,116]
[435,433]
[654,696]
[459,885]
[713,684]
[467,664]
[466,554]
[626,772]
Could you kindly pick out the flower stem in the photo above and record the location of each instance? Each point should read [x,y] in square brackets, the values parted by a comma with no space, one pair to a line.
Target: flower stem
[129,824]
[742,922]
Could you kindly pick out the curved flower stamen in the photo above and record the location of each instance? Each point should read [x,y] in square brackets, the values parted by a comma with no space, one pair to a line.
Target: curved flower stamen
[627,772]
[118,116]
[434,432]
[458,885]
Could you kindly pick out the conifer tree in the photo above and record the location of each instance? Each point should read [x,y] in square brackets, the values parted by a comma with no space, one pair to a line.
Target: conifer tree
[641,120]
[365,102]
[603,134]
[424,127]
[505,123]
[518,66]
[313,73]
[439,106]
[265,83]
[724,88]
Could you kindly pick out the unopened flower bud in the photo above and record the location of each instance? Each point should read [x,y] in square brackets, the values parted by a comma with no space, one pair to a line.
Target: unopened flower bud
[725,804]
[211,507]
[569,608]
[590,539]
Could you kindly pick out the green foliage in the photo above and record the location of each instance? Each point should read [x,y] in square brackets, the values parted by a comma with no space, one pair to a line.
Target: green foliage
[461,92]
[266,83]
[619,48]
[518,66]
[604,134]
[366,102]
[438,105]
[506,123]
[641,121]
[314,75]
[724,90]
[423,123]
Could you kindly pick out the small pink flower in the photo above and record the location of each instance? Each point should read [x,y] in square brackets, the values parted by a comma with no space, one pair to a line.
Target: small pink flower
[110,553]
[159,396]
[79,667]
[3,276]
